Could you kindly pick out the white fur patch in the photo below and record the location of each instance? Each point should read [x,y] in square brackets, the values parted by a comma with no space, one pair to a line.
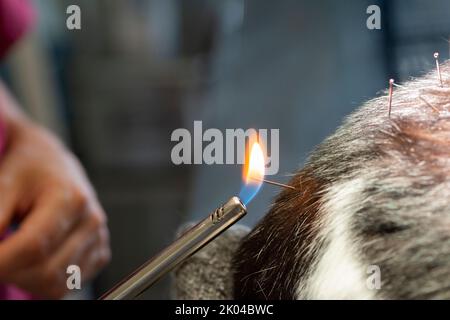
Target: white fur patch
[338,273]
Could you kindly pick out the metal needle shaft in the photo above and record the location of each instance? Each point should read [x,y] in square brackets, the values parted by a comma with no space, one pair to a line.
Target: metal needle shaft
[274,183]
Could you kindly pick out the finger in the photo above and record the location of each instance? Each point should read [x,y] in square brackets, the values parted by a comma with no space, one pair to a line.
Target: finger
[90,236]
[8,201]
[96,258]
[75,247]
[40,234]
[48,279]
[89,257]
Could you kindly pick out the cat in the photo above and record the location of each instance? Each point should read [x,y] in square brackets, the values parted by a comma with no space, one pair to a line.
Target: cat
[370,216]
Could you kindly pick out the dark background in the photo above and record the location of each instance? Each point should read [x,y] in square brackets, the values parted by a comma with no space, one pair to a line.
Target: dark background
[138,69]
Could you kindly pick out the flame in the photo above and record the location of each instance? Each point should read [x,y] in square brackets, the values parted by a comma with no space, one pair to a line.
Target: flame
[254,170]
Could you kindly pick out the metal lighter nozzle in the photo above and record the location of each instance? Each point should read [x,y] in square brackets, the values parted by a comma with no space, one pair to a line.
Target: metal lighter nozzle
[182,248]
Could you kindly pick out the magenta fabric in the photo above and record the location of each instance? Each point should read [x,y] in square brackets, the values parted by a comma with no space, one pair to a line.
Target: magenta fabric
[13,293]
[16,16]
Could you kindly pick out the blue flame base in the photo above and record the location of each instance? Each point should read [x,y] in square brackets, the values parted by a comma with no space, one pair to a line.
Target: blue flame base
[248,192]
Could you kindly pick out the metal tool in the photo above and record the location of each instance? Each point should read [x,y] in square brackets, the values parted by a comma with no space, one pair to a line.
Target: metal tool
[190,242]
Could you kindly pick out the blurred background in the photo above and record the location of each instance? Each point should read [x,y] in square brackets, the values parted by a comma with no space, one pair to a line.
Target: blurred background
[137,70]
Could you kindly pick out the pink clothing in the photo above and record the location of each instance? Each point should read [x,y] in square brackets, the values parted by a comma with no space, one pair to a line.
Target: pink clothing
[13,293]
[16,16]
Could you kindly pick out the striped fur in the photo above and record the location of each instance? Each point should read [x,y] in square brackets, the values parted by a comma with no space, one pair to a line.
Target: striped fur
[376,192]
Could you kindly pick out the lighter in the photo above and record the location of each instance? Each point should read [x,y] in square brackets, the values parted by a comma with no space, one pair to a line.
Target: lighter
[186,245]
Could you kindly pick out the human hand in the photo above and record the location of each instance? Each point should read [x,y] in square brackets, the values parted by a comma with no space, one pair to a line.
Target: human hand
[43,186]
